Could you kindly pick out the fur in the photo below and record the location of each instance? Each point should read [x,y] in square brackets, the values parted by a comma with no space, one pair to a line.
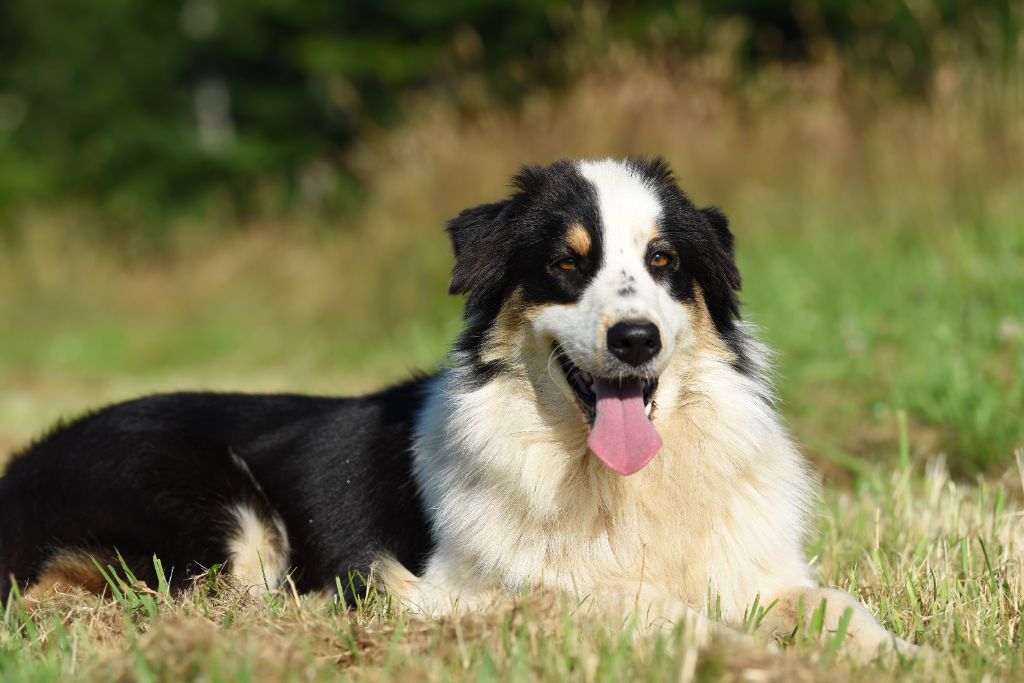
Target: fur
[480,481]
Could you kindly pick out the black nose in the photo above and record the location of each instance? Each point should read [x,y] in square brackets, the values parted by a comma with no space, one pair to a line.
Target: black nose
[634,343]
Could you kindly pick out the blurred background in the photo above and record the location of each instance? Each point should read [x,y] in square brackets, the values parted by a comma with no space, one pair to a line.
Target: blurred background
[250,195]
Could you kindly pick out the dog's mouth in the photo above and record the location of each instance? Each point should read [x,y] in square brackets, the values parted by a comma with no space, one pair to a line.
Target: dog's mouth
[619,411]
[582,384]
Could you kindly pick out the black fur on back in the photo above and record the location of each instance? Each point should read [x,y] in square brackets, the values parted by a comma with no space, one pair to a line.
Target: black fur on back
[155,476]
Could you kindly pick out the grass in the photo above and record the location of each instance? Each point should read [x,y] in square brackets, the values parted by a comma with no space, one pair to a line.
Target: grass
[870,324]
[937,561]
[883,259]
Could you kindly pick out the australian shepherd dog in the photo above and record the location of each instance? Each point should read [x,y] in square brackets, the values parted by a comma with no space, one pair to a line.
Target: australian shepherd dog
[605,425]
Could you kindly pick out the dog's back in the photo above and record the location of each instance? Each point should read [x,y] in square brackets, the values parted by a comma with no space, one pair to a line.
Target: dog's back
[267,483]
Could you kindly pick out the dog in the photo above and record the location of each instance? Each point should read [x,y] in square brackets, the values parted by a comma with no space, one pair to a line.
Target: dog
[604,425]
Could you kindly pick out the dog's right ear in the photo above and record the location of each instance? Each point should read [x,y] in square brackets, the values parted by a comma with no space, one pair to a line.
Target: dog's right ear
[726,244]
[475,235]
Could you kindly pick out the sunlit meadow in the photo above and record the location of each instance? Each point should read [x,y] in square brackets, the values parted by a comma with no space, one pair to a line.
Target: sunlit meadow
[881,242]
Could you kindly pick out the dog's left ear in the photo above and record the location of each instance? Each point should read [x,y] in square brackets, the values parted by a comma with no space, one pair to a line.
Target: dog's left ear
[720,224]
[475,235]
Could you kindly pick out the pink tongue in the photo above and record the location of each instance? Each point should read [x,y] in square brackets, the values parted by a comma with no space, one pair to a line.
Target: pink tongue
[622,436]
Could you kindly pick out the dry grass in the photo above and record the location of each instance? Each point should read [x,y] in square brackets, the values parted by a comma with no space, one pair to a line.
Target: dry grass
[939,562]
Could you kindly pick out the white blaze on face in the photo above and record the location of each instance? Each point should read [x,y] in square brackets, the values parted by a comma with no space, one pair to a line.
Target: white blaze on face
[622,290]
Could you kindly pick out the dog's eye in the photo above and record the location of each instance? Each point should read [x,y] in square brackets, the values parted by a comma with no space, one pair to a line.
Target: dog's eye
[567,263]
[660,259]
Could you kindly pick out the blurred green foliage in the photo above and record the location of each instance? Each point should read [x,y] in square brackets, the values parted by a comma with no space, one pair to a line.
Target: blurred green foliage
[161,105]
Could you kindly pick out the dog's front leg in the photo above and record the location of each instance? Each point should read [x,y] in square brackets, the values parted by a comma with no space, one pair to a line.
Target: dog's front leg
[867,638]
[445,588]
[647,610]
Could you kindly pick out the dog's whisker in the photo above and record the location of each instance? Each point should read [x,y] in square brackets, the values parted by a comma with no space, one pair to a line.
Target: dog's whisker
[554,352]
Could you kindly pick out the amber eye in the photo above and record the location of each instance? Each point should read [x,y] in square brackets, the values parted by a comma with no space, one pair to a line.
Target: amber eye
[568,263]
[660,259]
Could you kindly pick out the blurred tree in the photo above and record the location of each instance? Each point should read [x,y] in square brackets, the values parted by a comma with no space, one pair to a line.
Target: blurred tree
[161,102]
[158,104]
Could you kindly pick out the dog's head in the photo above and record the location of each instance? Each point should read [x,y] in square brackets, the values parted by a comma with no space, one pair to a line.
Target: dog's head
[589,279]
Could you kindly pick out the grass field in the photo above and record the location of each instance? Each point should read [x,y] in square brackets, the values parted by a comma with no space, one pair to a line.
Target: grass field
[882,248]
[939,562]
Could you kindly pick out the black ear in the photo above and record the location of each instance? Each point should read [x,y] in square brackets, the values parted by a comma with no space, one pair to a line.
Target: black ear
[720,224]
[474,233]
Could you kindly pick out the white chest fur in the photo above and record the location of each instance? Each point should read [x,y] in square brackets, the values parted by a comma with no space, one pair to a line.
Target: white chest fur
[517,501]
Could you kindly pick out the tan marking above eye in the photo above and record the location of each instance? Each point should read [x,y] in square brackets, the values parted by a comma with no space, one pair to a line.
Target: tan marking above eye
[578,239]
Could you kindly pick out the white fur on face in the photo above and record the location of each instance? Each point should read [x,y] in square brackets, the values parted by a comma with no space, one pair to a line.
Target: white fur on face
[623,289]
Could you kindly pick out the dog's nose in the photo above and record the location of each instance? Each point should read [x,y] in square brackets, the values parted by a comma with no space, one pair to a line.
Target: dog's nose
[634,343]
